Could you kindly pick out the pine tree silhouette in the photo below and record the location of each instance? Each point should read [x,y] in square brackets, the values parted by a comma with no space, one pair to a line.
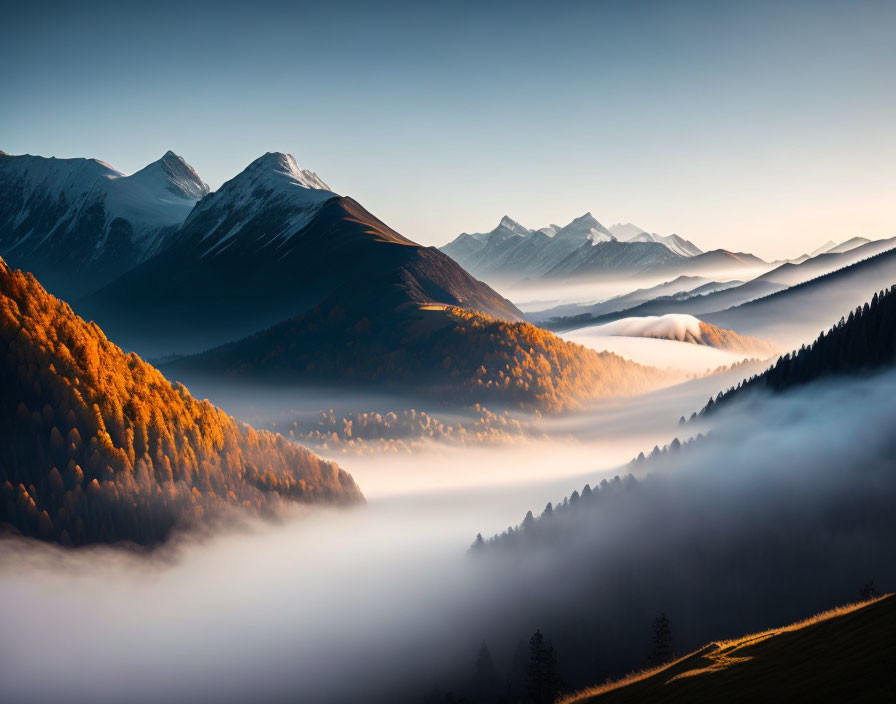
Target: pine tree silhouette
[485,677]
[542,680]
[662,642]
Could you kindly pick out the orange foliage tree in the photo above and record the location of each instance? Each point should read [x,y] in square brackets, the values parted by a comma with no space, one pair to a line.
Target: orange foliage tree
[96,445]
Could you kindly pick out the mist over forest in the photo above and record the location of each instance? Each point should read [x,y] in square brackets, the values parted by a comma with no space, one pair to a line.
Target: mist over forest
[423,354]
[748,515]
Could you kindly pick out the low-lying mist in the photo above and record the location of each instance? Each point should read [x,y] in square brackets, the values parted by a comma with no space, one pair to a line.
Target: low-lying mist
[537,296]
[785,510]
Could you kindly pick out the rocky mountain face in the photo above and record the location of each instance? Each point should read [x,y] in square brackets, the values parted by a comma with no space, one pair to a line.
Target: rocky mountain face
[271,243]
[79,223]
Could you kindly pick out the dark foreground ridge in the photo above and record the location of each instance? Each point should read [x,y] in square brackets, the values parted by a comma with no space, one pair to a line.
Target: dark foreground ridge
[845,655]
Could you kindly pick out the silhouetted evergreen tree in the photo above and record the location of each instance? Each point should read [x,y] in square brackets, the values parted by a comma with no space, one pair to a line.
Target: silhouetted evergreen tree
[868,591]
[519,665]
[485,677]
[542,680]
[662,642]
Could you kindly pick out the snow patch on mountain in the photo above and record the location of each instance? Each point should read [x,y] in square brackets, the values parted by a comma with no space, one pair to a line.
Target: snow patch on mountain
[270,177]
[628,232]
[581,229]
[514,227]
[595,237]
[73,212]
[173,175]
[273,195]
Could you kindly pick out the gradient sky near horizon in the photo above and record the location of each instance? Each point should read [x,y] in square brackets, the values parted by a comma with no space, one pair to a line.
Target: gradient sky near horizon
[757,126]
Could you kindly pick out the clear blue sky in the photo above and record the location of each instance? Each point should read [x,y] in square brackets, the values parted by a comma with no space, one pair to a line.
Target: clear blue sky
[757,126]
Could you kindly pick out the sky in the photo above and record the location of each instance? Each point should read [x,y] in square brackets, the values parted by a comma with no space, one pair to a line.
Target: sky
[753,126]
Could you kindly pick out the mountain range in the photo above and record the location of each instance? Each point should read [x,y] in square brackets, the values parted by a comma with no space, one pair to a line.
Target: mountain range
[795,314]
[679,297]
[79,223]
[512,253]
[271,243]
[274,276]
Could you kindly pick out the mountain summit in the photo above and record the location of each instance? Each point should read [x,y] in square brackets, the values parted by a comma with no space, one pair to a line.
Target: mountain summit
[513,226]
[264,205]
[78,223]
[271,243]
[175,175]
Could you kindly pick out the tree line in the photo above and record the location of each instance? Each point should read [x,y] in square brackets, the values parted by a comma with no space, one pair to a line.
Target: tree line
[863,341]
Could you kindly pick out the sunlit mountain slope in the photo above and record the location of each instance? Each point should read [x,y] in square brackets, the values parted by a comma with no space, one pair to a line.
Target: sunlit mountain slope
[97,446]
[442,352]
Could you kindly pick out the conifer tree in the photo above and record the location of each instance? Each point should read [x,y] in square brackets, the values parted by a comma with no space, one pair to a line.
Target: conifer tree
[542,680]
[662,642]
[485,677]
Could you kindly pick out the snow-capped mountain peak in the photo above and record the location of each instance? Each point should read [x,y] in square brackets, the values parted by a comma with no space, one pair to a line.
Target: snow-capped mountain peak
[278,169]
[582,229]
[56,214]
[513,226]
[272,177]
[172,174]
[273,188]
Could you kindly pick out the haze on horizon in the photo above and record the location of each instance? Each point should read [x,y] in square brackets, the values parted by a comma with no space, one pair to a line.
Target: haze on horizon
[736,125]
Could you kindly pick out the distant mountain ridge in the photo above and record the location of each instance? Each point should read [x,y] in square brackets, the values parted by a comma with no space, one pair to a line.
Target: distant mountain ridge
[797,313]
[562,252]
[629,232]
[715,298]
[78,223]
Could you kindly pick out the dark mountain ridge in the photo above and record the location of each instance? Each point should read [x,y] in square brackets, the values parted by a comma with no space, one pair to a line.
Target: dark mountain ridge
[270,244]
[447,354]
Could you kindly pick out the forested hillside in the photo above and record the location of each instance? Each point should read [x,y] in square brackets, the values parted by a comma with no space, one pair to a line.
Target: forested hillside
[97,446]
[861,342]
[440,351]
[754,513]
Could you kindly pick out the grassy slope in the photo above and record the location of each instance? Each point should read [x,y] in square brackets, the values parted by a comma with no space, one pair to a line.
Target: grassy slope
[847,654]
